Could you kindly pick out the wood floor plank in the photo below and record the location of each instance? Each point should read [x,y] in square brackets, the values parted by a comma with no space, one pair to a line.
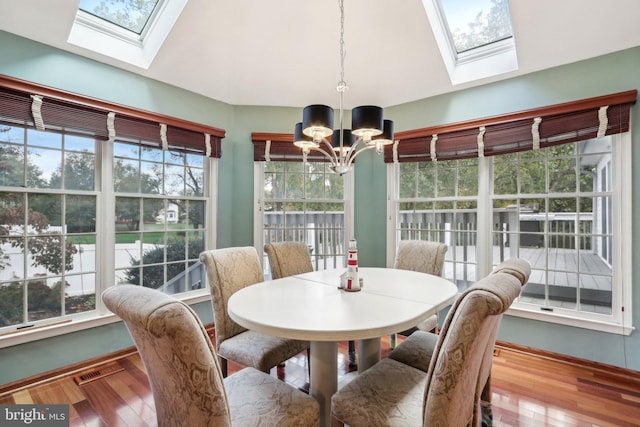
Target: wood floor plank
[88,414]
[71,390]
[113,409]
[137,404]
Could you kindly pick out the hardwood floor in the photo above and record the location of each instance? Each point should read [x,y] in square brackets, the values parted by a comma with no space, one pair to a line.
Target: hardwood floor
[529,389]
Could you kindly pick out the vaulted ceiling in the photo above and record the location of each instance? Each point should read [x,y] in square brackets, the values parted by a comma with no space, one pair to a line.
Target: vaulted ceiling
[286,52]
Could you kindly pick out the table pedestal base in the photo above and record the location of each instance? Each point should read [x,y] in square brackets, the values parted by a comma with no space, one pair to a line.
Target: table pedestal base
[368,353]
[324,370]
[324,376]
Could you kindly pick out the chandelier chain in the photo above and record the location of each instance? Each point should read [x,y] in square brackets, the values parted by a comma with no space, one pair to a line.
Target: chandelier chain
[342,85]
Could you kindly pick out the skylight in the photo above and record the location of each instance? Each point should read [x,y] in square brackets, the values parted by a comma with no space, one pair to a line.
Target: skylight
[131,31]
[476,23]
[475,37]
[133,16]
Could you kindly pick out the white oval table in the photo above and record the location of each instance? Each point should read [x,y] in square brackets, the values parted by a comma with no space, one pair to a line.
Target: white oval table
[310,307]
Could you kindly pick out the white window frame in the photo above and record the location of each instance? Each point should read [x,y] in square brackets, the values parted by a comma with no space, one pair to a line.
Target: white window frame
[620,322]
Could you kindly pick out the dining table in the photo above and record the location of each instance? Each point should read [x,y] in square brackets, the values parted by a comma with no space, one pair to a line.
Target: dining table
[312,307]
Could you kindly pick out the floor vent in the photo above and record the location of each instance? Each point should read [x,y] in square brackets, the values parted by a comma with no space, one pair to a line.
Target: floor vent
[98,373]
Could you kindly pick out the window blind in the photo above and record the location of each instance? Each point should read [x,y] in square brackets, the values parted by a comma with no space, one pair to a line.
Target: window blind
[521,131]
[279,147]
[32,105]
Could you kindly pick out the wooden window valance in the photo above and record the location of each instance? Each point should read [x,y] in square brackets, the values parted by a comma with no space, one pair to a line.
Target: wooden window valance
[521,131]
[41,107]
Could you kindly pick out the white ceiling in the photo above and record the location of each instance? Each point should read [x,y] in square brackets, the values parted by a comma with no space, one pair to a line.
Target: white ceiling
[286,52]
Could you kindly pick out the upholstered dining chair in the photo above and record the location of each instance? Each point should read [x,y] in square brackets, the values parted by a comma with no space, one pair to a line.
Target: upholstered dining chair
[426,257]
[288,258]
[186,381]
[228,271]
[394,393]
[417,350]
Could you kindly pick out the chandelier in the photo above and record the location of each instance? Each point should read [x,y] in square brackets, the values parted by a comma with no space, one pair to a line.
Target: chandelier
[369,129]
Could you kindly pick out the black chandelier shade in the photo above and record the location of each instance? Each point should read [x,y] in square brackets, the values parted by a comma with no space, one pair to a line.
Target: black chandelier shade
[317,118]
[386,137]
[348,139]
[367,119]
[299,138]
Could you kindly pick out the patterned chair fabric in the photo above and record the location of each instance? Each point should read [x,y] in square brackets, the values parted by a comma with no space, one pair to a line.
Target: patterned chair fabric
[421,255]
[417,350]
[288,258]
[425,257]
[186,380]
[392,393]
[517,267]
[228,271]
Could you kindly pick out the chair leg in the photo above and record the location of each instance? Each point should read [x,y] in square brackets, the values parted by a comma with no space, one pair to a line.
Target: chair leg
[486,411]
[223,366]
[336,423]
[352,353]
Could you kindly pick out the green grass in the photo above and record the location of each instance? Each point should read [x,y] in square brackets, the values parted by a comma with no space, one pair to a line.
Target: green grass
[153,233]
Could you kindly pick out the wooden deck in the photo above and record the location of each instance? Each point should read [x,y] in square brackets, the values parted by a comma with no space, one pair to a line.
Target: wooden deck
[561,273]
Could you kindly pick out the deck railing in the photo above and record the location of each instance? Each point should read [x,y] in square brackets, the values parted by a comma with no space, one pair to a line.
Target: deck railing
[324,231]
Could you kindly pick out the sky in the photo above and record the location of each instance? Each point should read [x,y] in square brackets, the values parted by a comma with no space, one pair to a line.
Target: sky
[461,12]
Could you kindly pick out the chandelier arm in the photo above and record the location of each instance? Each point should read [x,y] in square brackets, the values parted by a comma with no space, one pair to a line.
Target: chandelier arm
[355,153]
[331,157]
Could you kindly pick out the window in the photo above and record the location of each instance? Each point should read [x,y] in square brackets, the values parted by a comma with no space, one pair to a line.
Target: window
[128,30]
[90,198]
[303,202]
[550,185]
[475,38]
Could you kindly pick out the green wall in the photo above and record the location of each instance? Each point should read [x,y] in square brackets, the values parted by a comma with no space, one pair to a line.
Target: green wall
[35,62]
